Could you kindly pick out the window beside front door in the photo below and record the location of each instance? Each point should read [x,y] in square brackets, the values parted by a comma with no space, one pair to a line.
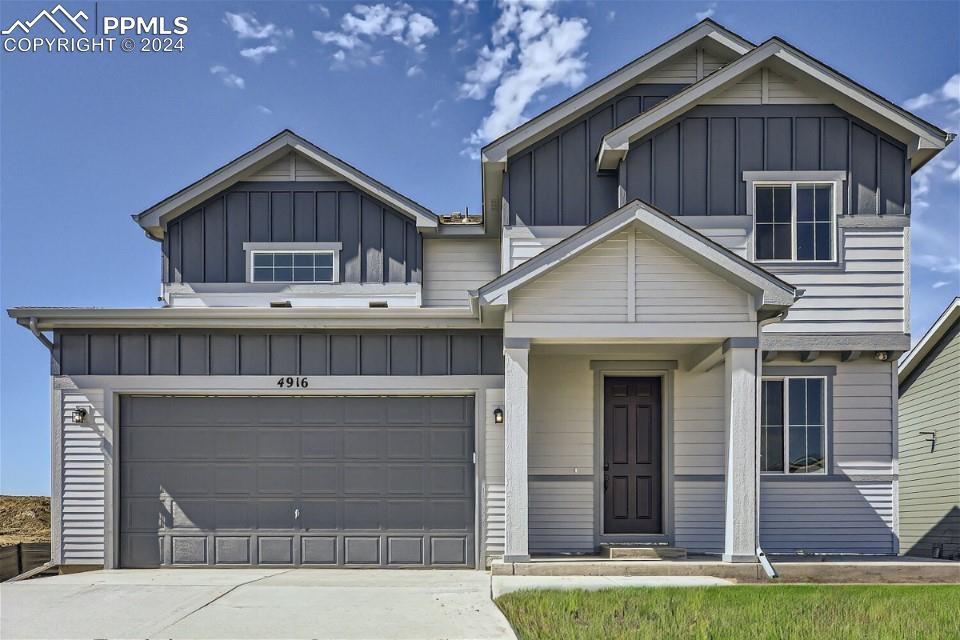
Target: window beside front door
[793,425]
[794,222]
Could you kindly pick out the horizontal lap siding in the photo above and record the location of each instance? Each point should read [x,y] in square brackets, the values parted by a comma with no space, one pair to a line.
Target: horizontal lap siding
[82,467]
[206,244]
[493,509]
[698,514]
[561,516]
[864,410]
[589,287]
[672,288]
[930,474]
[522,249]
[454,267]
[288,353]
[827,517]
[698,423]
[867,293]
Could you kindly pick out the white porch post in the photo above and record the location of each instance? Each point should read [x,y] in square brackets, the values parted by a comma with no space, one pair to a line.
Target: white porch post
[740,393]
[516,405]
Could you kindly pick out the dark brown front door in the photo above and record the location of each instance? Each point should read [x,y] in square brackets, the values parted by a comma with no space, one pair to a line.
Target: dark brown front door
[631,456]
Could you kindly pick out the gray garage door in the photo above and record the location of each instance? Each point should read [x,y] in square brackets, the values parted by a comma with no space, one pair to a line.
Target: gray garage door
[290,481]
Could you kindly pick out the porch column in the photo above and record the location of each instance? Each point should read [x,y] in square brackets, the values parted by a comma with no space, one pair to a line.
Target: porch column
[740,417]
[516,405]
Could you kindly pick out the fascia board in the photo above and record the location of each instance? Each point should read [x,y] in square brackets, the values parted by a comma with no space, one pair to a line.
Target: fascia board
[930,339]
[498,150]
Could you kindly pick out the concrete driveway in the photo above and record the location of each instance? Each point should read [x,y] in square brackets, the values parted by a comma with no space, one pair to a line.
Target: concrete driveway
[242,603]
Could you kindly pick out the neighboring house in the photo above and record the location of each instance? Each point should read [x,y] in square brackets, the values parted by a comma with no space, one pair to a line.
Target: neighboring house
[680,315]
[929,434]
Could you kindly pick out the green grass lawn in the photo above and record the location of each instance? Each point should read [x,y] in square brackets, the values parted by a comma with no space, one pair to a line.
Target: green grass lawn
[815,612]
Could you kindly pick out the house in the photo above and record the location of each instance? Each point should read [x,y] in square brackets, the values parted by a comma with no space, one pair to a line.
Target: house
[929,441]
[677,324]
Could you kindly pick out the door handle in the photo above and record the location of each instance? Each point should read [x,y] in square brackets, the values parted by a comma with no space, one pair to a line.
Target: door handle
[606,466]
[606,478]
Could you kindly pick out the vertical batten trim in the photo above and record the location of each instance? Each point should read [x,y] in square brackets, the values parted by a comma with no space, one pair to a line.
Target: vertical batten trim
[764,86]
[632,275]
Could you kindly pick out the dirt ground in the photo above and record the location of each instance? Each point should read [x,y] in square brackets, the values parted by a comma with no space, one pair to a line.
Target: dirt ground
[24,519]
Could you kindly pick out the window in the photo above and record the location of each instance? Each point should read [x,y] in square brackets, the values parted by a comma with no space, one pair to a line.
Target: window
[793,425]
[293,266]
[794,221]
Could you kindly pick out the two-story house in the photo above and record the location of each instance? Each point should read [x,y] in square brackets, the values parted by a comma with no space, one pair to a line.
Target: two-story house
[677,323]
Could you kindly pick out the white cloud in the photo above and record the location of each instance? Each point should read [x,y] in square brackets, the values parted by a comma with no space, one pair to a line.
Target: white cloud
[267,111]
[246,26]
[948,93]
[320,9]
[414,70]
[257,54]
[466,6]
[229,79]
[532,48]
[365,24]
[940,283]
[706,13]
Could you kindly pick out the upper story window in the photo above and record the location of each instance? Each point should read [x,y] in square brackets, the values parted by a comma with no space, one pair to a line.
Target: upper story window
[297,263]
[793,425]
[794,214]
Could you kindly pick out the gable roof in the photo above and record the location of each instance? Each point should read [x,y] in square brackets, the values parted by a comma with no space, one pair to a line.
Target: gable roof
[154,218]
[771,292]
[930,340]
[924,140]
[610,85]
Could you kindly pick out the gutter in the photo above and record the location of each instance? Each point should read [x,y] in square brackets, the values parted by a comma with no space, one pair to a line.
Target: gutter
[32,325]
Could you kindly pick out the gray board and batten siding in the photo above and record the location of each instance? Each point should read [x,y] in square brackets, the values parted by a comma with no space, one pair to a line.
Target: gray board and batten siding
[694,165]
[206,244]
[554,182]
[223,352]
[297,481]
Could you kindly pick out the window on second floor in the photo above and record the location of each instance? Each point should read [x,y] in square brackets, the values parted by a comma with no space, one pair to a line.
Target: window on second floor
[293,266]
[794,222]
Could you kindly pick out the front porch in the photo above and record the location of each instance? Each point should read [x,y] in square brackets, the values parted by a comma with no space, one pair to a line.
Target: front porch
[629,444]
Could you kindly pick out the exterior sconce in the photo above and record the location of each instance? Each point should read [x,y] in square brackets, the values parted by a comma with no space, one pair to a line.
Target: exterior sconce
[882,356]
[498,415]
[77,416]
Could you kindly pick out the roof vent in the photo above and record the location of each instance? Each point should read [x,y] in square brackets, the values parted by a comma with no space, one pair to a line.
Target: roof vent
[280,304]
[378,304]
[460,217]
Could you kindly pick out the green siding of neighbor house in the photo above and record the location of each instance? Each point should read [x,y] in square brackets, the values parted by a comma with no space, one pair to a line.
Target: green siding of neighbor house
[930,479]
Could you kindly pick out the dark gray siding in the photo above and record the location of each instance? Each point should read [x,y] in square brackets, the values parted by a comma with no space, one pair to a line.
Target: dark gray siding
[554,181]
[189,352]
[206,244]
[694,165]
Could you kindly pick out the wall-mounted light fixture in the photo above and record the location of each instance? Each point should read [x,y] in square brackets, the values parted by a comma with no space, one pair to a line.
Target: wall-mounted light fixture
[882,356]
[498,415]
[78,416]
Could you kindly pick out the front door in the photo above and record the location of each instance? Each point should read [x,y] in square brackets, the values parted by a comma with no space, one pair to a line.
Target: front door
[632,456]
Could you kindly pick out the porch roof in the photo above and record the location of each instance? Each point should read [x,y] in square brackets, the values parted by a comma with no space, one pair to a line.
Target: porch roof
[770,292]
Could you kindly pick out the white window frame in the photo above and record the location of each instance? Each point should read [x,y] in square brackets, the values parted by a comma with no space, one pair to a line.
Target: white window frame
[253,248]
[793,179]
[786,425]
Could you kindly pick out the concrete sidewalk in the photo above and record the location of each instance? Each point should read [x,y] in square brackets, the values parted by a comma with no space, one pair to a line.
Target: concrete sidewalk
[247,603]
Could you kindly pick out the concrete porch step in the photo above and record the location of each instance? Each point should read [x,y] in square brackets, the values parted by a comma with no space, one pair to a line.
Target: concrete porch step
[641,552]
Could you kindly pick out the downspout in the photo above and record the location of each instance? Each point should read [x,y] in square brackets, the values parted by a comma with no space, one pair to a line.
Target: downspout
[32,325]
[768,568]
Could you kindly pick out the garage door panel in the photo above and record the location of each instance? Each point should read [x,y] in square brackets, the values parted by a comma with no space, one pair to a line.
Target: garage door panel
[287,481]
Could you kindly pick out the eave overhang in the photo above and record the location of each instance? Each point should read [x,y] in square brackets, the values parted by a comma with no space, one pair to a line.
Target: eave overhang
[155,218]
[771,294]
[930,340]
[923,139]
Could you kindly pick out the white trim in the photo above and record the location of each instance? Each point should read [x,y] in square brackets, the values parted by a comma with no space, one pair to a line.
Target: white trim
[918,134]
[540,126]
[785,179]
[929,340]
[786,424]
[251,255]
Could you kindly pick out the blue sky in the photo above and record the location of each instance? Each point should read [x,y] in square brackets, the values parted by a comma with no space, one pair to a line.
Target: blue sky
[404,91]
